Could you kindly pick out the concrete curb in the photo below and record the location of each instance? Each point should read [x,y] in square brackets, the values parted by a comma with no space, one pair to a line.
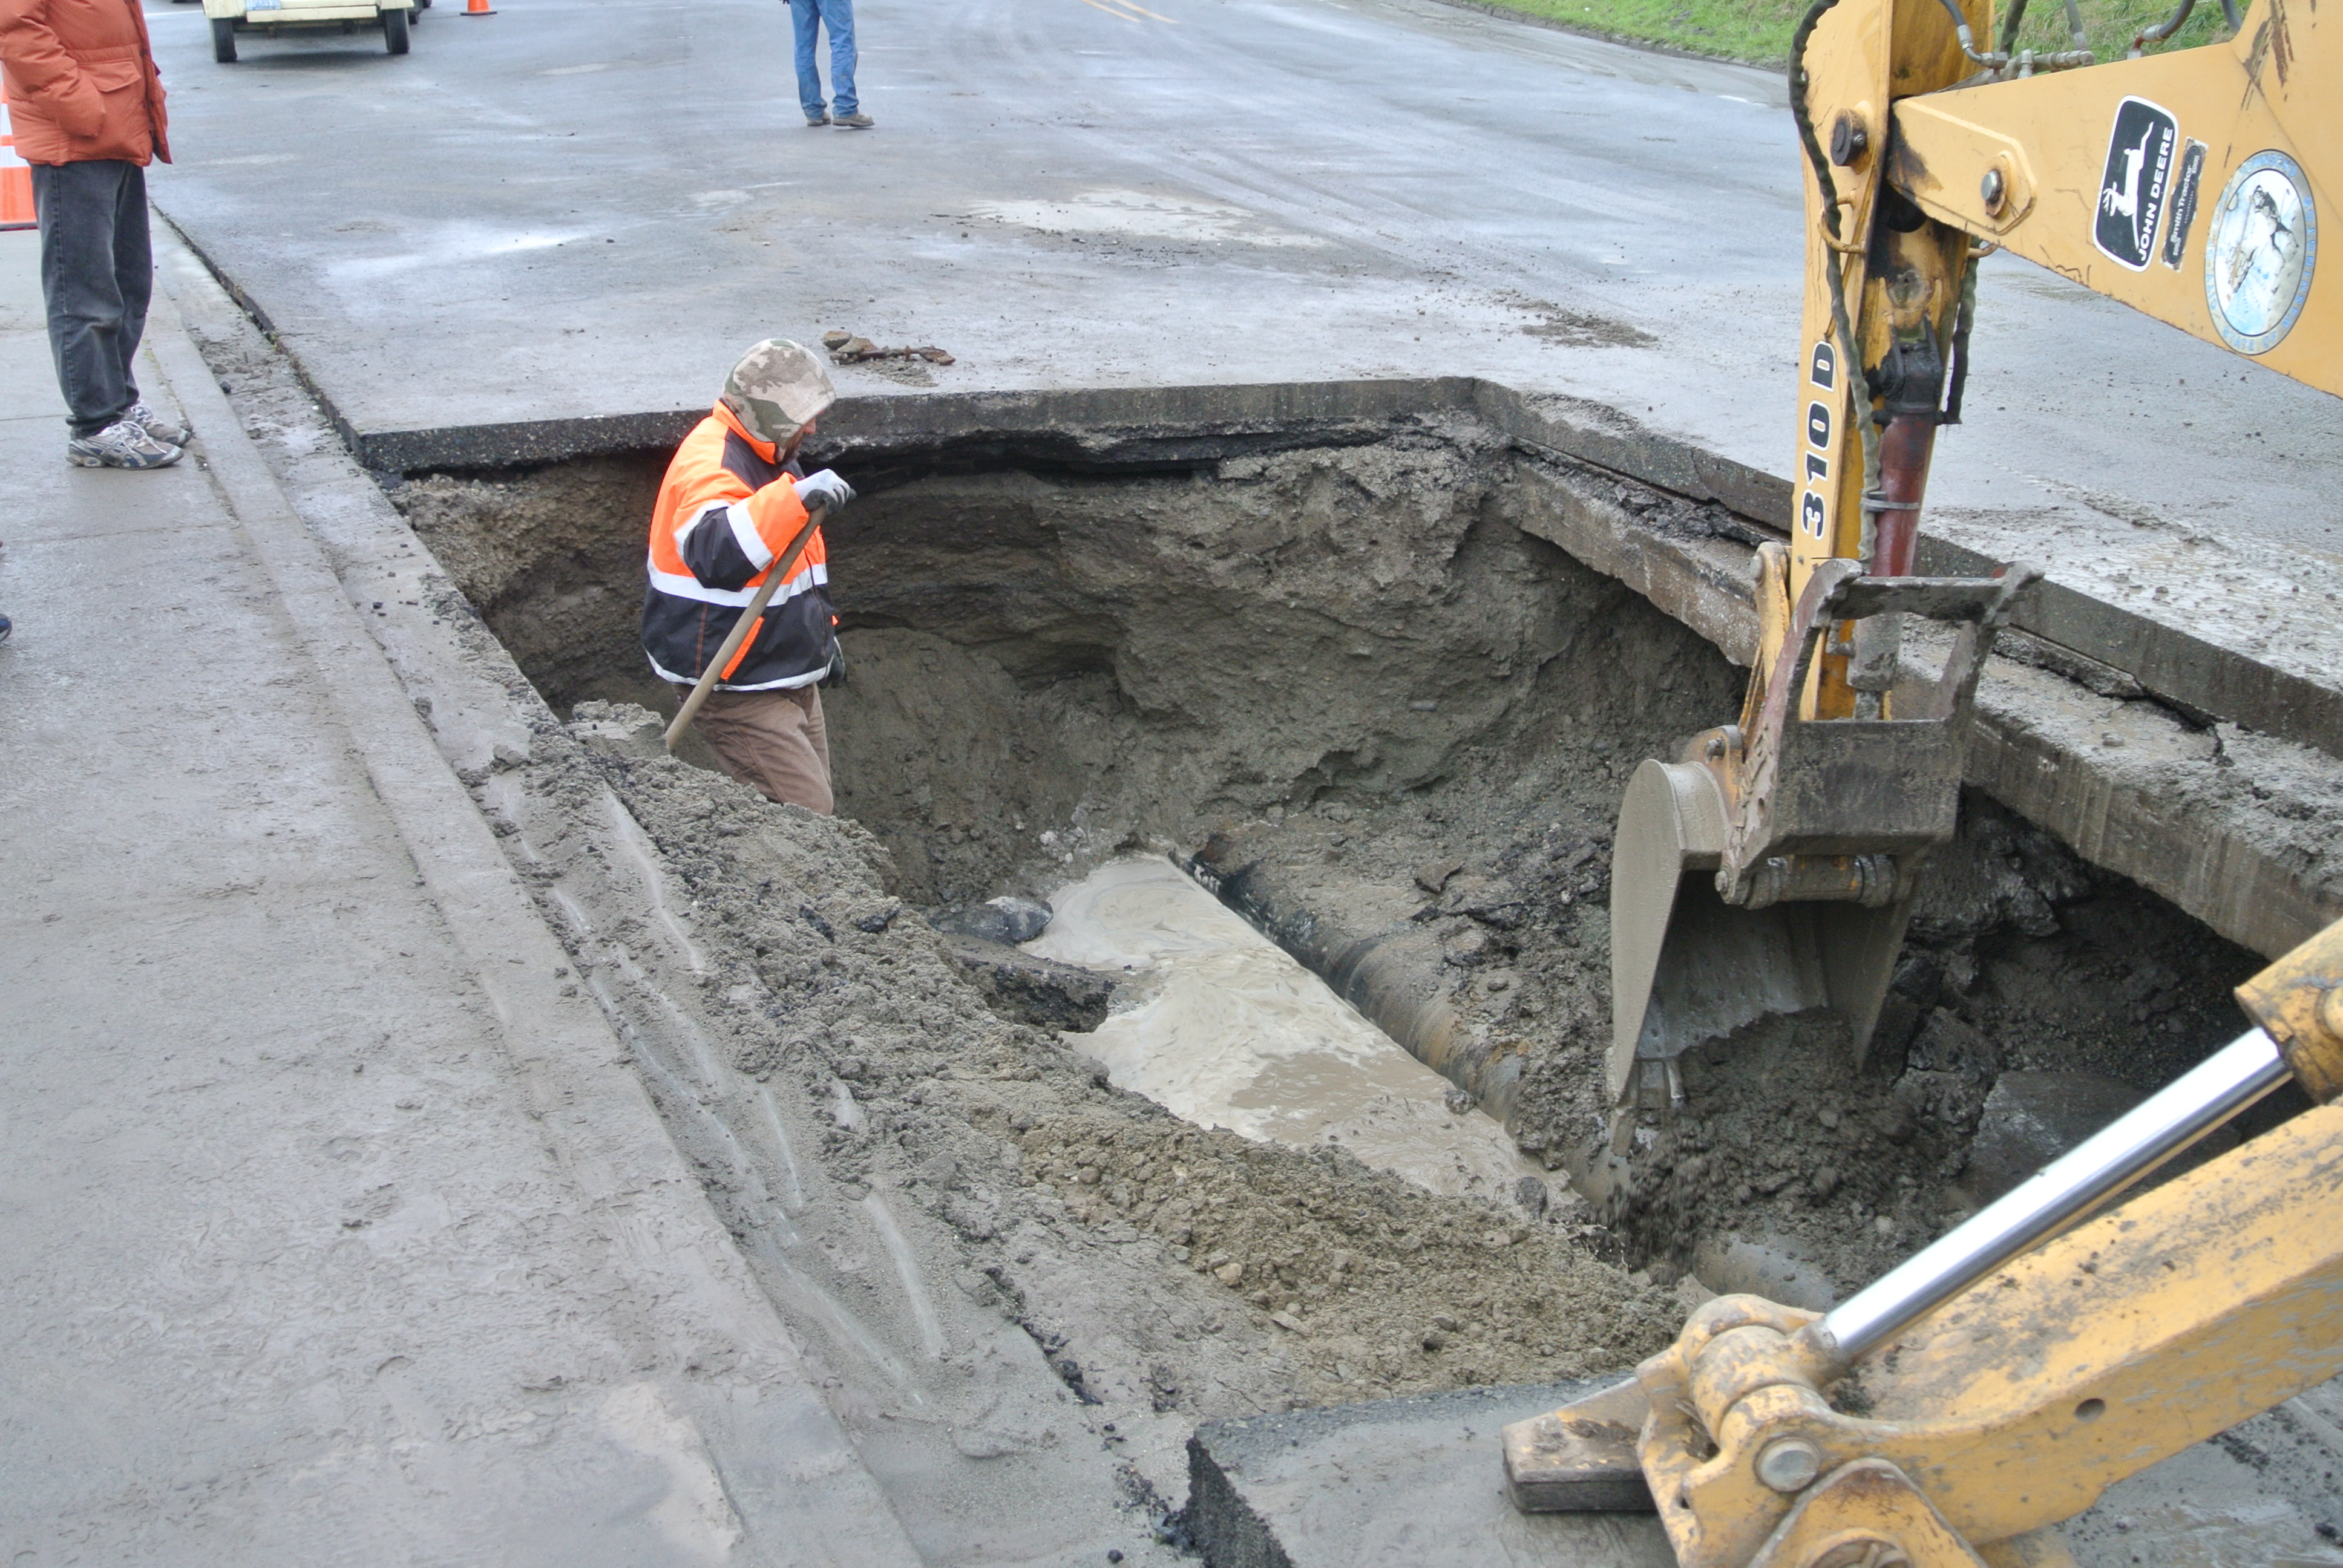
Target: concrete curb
[1418,1480]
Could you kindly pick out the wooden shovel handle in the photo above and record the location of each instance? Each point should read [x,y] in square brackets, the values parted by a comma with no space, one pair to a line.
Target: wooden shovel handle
[780,572]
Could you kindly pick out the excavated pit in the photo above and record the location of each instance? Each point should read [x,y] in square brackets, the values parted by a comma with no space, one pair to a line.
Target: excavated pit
[1392,727]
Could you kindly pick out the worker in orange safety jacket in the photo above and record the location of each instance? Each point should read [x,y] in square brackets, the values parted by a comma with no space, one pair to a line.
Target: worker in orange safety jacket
[733,499]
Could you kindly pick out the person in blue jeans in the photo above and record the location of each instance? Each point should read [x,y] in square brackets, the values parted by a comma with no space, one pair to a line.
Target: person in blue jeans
[842,110]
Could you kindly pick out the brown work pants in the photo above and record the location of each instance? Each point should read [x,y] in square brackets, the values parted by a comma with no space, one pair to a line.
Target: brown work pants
[774,740]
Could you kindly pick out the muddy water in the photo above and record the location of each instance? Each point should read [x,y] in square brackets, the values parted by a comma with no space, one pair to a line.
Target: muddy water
[1227,1031]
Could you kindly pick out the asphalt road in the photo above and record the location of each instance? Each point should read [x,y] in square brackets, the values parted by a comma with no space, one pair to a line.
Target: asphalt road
[584,207]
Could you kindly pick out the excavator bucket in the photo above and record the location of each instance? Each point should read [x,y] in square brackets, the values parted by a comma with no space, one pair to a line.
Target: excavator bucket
[1689,967]
[1774,871]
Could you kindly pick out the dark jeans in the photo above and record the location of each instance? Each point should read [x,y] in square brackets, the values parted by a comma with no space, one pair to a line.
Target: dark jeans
[98,274]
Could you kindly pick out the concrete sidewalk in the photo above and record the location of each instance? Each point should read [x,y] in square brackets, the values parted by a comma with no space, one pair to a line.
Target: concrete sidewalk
[334,1227]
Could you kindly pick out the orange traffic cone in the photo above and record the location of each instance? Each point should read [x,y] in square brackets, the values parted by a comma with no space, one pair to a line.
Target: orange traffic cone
[15,180]
[477,9]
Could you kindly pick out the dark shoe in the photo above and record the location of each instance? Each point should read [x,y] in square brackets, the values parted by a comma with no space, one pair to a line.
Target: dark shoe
[7,626]
[816,122]
[854,122]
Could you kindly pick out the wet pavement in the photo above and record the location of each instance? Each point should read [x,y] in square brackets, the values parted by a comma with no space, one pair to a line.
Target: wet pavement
[579,209]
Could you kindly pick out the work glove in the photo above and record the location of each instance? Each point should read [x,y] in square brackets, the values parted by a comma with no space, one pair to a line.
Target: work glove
[825,489]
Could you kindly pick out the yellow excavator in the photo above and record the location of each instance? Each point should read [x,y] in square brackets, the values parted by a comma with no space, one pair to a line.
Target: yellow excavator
[1998,1381]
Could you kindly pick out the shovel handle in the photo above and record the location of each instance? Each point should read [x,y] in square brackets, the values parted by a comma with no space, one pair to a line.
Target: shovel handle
[780,572]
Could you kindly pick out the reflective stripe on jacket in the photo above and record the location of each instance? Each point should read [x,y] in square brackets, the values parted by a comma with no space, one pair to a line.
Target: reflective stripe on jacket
[726,511]
[81,82]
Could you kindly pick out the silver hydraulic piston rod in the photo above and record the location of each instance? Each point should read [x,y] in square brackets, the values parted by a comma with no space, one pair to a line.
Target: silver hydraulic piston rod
[2053,1198]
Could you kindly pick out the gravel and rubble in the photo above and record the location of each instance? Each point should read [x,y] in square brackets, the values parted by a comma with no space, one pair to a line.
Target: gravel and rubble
[1347,670]
[1290,1277]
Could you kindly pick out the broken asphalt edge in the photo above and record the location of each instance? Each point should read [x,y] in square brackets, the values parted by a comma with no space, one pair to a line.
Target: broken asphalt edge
[2245,875]
[892,438]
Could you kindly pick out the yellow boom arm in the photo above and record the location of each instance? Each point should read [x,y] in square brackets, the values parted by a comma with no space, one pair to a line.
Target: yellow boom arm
[2189,186]
[1998,1381]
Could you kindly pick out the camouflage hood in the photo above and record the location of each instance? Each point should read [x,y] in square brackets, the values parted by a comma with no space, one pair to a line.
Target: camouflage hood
[778,388]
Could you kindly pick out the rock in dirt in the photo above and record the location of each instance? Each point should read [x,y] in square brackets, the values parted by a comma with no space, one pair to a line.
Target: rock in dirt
[1530,1194]
[1008,921]
[1029,989]
[1948,1101]
[620,729]
[1947,1044]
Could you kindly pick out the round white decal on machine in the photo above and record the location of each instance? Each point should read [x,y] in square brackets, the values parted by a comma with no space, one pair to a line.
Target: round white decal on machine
[2260,252]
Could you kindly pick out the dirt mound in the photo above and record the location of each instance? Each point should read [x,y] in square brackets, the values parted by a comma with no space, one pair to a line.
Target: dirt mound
[1780,1143]
[1378,1283]
[1337,1282]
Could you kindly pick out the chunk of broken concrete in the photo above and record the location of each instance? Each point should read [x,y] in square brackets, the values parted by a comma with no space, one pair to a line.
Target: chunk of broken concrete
[1029,989]
[1417,1481]
[1005,920]
[1952,1101]
[2032,1118]
[1432,875]
[619,730]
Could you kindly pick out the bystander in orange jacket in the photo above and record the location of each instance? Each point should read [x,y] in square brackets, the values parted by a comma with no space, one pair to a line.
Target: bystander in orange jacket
[81,82]
[85,104]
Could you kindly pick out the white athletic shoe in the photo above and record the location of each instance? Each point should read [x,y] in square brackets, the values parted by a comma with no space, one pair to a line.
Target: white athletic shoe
[121,444]
[155,425]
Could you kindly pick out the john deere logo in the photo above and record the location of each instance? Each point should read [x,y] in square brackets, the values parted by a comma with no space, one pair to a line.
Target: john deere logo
[2132,189]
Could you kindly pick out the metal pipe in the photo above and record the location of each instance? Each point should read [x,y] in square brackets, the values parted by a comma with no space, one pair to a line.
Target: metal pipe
[1904,453]
[2055,1197]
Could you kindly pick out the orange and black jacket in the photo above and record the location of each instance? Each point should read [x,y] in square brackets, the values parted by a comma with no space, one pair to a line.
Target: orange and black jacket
[726,511]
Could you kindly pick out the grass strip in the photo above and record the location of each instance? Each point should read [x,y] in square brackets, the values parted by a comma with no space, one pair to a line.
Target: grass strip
[1757,32]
